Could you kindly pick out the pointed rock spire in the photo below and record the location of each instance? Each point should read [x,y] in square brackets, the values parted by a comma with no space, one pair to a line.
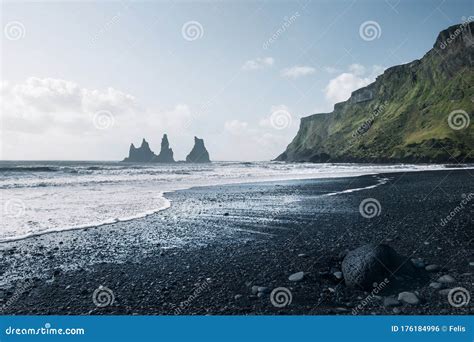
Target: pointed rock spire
[143,154]
[166,153]
[199,153]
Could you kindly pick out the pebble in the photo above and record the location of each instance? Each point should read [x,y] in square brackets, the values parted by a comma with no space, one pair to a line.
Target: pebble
[296,276]
[338,275]
[418,263]
[436,285]
[471,264]
[445,279]
[409,298]
[255,289]
[302,255]
[432,268]
[263,289]
[237,296]
[444,292]
[391,301]
[396,311]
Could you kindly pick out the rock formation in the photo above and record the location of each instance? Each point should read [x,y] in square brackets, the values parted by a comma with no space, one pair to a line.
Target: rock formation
[416,112]
[143,154]
[166,153]
[199,153]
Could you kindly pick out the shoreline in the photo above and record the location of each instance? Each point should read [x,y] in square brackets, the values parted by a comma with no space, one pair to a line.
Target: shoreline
[236,182]
[235,237]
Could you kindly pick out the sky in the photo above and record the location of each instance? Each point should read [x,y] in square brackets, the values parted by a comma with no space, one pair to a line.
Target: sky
[83,80]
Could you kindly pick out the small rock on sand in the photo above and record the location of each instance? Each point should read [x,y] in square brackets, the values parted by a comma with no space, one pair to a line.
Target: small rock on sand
[435,285]
[237,296]
[302,255]
[391,301]
[296,276]
[432,268]
[409,298]
[418,263]
[338,275]
[445,279]
[444,292]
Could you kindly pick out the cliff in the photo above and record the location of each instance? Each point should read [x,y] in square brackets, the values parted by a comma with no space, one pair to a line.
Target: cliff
[416,112]
[166,153]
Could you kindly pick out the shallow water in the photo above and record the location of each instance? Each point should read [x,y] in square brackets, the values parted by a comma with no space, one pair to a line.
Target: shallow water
[44,196]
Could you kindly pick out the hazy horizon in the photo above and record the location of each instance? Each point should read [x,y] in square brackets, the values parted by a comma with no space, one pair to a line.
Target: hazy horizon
[238,75]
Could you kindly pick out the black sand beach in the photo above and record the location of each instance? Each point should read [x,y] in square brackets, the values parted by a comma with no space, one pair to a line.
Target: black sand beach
[205,253]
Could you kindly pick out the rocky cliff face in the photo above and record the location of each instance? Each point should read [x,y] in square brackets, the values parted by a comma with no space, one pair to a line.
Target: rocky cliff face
[416,112]
[143,154]
[199,153]
[166,153]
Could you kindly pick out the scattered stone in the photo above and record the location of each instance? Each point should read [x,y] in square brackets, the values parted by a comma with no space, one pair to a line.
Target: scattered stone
[409,298]
[260,294]
[338,275]
[446,279]
[255,289]
[237,296]
[302,255]
[371,264]
[296,276]
[471,264]
[435,285]
[226,214]
[391,301]
[396,311]
[444,292]
[263,289]
[418,263]
[432,268]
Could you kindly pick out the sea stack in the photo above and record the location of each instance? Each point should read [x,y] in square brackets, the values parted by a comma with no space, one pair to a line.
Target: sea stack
[166,153]
[199,153]
[143,154]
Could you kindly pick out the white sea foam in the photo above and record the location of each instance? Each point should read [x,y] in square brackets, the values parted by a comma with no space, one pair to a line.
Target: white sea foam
[56,196]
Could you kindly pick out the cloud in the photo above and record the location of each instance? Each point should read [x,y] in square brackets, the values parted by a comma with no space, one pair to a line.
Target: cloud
[38,105]
[340,88]
[331,70]
[236,127]
[258,63]
[297,71]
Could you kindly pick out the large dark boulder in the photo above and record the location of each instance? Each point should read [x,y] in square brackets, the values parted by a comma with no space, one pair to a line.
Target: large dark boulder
[166,153]
[371,264]
[199,153]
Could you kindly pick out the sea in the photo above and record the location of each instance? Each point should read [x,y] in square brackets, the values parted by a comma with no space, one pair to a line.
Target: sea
[39,197]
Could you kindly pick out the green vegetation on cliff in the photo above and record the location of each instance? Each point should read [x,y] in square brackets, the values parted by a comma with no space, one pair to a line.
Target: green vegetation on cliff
[416,112]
